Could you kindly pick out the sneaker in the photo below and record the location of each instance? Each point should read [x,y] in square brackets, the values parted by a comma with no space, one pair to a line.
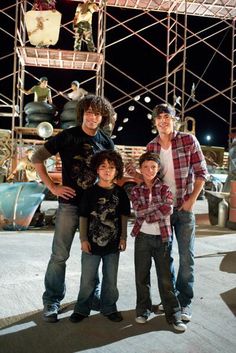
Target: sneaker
[179,326]
[76,317]
[50,312]
[141,319]
[186,313]
[116,317]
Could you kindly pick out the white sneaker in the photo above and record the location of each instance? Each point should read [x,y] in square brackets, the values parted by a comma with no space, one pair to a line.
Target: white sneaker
[179,326]
[141,319]
[186,313]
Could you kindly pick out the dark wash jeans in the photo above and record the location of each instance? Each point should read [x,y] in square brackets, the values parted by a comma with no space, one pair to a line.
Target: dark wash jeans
[183,223]
[149,246]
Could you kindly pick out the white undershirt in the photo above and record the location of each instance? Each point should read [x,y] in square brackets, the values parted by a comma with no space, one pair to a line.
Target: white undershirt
[150,228]
[168,170]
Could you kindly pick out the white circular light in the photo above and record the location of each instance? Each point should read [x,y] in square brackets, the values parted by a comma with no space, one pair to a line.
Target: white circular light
[131,108]
[154,131]
[120,128]
[149,116]
[125,120]
[147,99]
[113,137]
[136,98]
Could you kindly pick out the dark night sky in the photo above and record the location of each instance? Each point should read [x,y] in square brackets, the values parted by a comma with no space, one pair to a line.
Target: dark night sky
[145,65]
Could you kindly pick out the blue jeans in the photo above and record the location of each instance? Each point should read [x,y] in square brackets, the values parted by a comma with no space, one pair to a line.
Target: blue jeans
[148,247]
[67,221]
[183,223]
[109,292]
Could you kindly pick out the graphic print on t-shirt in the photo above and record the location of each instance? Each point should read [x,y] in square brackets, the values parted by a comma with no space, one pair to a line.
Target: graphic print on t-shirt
[81,170]
[104,222]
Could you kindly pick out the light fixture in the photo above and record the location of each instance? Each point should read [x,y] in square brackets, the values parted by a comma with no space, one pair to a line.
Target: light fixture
[136,98]
[131,108]
[149,116]
[125,120]
[120,128]
[45,129]
[147,99]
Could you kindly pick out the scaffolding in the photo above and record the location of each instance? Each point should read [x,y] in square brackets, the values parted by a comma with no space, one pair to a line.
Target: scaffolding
[178,44]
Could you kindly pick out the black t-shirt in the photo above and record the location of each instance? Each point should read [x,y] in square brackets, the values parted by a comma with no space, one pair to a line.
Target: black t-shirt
[104,208]
[76,148]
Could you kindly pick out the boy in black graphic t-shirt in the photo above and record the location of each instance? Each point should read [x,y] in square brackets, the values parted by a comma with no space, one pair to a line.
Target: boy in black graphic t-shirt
[75,146]
[103,230]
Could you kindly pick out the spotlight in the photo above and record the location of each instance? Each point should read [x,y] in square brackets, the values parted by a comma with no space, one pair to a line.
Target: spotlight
[147,99]
[45,129]
[131,108]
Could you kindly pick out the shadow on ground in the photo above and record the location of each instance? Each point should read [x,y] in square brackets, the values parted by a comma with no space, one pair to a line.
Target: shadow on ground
[32,334]
[228,264]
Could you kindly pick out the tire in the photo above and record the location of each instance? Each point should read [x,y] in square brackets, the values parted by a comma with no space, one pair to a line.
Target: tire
[32,124]
[39,107]
[71,105]
[68,115]
[67,124]
[39,117]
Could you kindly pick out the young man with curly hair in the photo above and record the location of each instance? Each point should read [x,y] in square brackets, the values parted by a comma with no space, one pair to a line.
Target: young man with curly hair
[75,146]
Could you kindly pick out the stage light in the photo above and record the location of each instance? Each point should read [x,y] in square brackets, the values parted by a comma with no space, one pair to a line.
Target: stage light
[147,99]
[136,98]
[131,108]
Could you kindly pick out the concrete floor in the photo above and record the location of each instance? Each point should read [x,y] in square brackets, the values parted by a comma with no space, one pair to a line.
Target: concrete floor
[24,257]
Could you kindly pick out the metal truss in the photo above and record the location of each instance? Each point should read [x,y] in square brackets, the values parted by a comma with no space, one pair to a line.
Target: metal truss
[177,44]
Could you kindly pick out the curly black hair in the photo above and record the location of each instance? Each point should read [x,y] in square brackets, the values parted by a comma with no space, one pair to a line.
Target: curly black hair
[111,156]
[98,105]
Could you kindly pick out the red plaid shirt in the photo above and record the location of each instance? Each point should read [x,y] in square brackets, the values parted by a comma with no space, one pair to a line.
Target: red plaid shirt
[189,162]
[158,210]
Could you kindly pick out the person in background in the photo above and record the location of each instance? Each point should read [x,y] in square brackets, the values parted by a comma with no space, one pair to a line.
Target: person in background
[41,5]
[185,172]
[42,93]
[75,146]
[152,202]
[82,24]
[104,211]
[76,93]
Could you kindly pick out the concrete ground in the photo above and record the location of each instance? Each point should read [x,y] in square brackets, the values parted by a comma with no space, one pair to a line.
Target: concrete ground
[24,257]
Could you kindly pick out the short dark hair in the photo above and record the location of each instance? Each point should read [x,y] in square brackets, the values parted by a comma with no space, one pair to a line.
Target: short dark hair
[163,108]
[149,156]
[111,156]
[44,78]
[98,105]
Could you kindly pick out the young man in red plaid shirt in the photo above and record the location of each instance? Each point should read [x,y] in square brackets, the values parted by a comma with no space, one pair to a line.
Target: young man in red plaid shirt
[185,173]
